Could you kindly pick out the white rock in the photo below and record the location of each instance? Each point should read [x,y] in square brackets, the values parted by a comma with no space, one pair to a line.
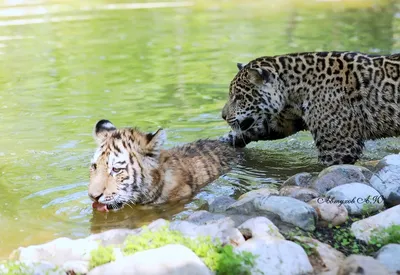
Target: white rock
[222,230]
[328,257]
[277,256]
[260,227]
[78,267]
[113,236]
[387,180]
[358,264]
[166,260]
[58,251]
[389,256]
[264,192]
[329,213]
[363,229]
[299,193]
[358,198]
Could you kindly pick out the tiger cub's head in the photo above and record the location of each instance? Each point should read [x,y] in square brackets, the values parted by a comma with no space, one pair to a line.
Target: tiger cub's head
[122,166]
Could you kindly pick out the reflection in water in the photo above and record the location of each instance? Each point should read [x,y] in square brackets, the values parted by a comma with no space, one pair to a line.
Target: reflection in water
[67,65]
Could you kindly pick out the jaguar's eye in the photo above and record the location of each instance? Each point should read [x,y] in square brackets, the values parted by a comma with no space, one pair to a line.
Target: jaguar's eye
[93,166]
[116,170]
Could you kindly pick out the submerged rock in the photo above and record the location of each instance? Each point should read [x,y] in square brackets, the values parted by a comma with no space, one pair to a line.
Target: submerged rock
[337,175]
[358,198]
[329,213]
[300,179]
[299,193]
[358,264]
[386,179]
[276,208]
[220,204]
[166,260]
[363,229]
[389,256]
[277,256]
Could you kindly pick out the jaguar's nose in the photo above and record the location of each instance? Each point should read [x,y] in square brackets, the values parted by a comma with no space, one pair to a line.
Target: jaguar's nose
[94,197]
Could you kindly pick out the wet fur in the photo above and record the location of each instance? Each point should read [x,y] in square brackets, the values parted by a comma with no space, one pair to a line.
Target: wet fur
[152,175]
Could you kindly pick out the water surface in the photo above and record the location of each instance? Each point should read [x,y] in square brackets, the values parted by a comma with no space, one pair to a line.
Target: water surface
[67,64]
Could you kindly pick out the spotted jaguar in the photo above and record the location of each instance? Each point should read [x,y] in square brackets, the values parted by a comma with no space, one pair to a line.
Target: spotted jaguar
[342,98]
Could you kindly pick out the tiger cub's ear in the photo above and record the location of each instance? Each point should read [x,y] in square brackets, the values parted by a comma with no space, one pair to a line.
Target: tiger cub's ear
[155,142]
[102,129]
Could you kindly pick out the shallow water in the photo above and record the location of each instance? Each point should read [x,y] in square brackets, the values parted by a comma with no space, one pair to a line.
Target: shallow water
[67,64]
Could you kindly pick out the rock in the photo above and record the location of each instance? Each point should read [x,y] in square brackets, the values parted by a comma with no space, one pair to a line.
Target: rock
[222,230]
[38,268]
[276,256]
[259,227]
[389,256]
[157,224]
[78,267]
[300,193]
[289,210]
[328,258]
[300,179]
[363,229]
[277,209]
[264,192]
[166,260]
[220,204]
[329,213]
[358,198]
[58,251]
[358,264]
[204,217]
[386,179]
[113,236]
[336,175]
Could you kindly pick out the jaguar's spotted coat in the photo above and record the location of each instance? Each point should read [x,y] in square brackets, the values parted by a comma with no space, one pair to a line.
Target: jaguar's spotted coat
[343,98]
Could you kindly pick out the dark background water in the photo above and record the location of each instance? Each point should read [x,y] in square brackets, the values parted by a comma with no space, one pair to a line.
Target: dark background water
[66,64]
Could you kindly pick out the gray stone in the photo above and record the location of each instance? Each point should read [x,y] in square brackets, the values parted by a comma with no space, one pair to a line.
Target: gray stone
[329,213]
[363,229]
[263,192]
[328,258]
[204,217]
[220,204]
[259,227]
[276,256]
[289,210]
[300,179]
[358,264]
[300,193]
[389,256]
[277,209]
[336,175]
[386,179]
[167,260]
[358,198]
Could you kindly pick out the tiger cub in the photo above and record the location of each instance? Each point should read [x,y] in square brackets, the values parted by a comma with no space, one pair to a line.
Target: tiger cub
[130,167]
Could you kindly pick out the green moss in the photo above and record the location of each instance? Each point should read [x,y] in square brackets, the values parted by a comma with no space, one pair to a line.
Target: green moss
[219,258]
[100,256]
[14,268]
[381,237]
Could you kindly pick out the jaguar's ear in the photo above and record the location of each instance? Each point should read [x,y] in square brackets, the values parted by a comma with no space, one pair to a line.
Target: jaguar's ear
[240,65]
[102,129]
[155,141]
[258,76]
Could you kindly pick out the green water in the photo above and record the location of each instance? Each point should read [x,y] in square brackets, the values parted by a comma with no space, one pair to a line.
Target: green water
[67,64]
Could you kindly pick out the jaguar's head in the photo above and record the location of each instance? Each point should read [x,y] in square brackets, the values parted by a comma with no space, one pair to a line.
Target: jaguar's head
[254,100]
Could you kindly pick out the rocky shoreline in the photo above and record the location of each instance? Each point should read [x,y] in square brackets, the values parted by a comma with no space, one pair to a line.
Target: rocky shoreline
[346,220]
